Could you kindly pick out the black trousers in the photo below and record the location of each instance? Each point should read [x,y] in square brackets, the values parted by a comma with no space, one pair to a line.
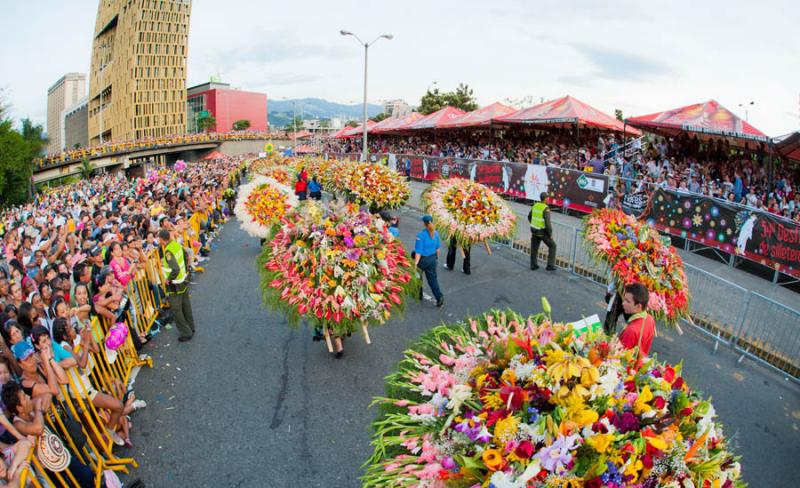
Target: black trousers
[536,239]
[451,256]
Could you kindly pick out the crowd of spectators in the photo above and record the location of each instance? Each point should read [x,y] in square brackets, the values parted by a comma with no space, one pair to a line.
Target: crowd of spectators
[114,147]
[70,255]
[712,167]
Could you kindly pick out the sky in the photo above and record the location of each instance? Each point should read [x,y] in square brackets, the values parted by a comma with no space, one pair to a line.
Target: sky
[640,57]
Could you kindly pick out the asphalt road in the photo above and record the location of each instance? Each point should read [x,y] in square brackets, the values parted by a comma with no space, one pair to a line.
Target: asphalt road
[252,403]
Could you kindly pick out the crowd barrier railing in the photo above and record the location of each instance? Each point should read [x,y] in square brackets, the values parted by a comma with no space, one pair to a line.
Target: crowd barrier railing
[752,324]
[108,371]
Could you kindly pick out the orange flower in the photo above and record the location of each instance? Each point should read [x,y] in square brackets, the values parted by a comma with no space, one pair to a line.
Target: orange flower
[493,459]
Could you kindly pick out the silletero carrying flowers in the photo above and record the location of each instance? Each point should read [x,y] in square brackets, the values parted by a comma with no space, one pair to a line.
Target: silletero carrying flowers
[261,204]
[634,251]
[469,211]
[337,267]
[506,401]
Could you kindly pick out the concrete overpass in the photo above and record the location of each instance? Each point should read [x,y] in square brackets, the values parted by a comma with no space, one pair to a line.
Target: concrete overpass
[160,155]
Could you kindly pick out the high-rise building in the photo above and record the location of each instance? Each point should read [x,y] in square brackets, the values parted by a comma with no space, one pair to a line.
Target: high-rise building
[137,84]
[65,92]
[75,124]
[396,108]
[226,105]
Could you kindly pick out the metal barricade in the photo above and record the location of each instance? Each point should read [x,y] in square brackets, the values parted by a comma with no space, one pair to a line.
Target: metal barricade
[716,304]
[770,332]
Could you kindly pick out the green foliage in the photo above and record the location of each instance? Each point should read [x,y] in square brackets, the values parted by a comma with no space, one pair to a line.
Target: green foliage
[295,125]
[207,123]
[242,124]
[462,97]
[618,114]
[87,167]
[380,116]
[17,149]
[352,123]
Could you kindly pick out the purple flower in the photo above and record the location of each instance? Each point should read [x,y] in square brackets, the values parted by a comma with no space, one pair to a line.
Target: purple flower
[627,422]
[556,456]
[348,241]
[449,464]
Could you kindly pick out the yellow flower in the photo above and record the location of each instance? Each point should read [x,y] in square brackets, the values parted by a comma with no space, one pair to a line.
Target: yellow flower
[493,459]
[509,376]
[584,417]
[505,429]
[640,405]
[600,442]
[493,401]
[633,468]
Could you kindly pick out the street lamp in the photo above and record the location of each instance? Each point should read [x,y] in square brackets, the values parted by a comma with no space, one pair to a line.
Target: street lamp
[366,52]
[745,106]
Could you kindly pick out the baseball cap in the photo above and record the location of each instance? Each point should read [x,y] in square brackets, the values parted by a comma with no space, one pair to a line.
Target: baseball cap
[94,251]
[22,350]
[427,218]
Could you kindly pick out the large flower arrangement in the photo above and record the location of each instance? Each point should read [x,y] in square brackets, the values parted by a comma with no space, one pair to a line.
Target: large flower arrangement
[634,251]
[376,186]
[506,401]
[260,165]
[338,268]
[282,174]
[261,204]
[467,210]
[314,166]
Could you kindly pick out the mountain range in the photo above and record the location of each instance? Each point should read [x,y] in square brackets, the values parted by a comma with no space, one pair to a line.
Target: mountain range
[280,112]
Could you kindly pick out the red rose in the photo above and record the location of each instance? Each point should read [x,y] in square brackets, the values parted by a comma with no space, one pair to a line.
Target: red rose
[659,402]
[524,450]
[594,483]
[686,412]
[669,374]
[647,461]
[678,384]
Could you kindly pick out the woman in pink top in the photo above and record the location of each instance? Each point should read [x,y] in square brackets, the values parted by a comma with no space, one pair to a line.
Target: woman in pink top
[122,268]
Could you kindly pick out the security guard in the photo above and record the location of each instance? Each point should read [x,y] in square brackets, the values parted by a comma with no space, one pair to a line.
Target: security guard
[173,262]
[542,231]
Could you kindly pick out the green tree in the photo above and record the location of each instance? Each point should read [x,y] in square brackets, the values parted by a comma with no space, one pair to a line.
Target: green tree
[87,167]
[352,123]
[207,123]
[15,165]
[243,124]
[618,114]
[34,135]
[325,124]
[380,116]
[462,97]
[295,124]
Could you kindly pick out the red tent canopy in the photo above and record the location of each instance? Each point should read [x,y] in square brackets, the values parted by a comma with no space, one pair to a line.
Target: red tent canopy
[383,123]
[434,120]
[213,155]
[563,112]
[358,130]
[392,124]
[340,133]
[305,149]
[708,118]
[479,118]
[788,146]
[302,134]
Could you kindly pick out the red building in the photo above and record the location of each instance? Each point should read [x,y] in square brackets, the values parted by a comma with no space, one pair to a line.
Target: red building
[226,105]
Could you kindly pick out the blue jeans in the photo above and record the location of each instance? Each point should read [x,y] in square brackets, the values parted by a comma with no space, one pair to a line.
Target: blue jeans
[428,265]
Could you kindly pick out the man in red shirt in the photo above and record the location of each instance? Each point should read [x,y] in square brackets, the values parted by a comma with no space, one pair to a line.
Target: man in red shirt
[641,327]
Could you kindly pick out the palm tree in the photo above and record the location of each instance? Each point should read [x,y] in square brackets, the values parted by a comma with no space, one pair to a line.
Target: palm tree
[87,167]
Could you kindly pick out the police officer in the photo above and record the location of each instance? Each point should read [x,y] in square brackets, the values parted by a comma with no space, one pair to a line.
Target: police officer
[426,255]
[173,261]
[542,231]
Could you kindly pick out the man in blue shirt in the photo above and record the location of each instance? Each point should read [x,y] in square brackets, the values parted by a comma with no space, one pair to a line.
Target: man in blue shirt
[426,255]
[314,189]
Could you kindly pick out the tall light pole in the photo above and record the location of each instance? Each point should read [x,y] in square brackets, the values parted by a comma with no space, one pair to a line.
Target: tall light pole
[745,106]
[366,45]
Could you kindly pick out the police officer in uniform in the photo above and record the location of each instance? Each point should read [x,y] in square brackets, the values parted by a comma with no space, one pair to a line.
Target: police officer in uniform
[541,231]
[173,261]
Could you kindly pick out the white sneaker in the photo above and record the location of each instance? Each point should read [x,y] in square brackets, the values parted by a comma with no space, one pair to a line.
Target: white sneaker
[115,437]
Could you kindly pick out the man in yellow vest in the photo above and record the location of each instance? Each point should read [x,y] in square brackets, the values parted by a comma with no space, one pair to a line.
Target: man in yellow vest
[541,231]
[173,261]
